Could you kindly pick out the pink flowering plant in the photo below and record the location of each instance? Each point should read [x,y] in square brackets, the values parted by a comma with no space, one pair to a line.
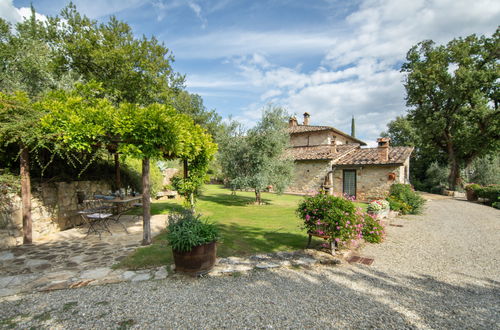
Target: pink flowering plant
[331,216]
[373,231]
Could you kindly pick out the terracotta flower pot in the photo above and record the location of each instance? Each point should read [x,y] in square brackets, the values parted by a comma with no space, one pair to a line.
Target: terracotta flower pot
[471,195]
[200,260]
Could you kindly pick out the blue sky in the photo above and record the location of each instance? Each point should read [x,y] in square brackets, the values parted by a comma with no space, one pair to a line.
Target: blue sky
[332,58]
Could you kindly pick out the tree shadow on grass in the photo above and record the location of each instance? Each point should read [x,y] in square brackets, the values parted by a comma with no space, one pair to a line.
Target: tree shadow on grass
[238,240]
[231,200]
[161,207]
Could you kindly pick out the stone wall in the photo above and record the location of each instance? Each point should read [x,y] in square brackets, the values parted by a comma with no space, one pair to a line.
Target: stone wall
[372,182]
[318,138]
[309,175]
[168,174]
[54,207]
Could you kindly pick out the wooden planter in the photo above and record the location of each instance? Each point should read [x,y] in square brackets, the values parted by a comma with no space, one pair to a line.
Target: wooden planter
[471,195]
[200,260]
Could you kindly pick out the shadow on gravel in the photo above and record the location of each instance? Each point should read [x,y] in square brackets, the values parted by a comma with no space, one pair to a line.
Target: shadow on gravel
[420,301]
[339,297]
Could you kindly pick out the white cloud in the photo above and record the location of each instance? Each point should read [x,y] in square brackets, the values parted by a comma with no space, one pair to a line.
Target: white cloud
[223,44]
[14,15]
[359,74]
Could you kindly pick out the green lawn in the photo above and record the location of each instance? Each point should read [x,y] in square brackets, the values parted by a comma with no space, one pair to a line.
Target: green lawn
[245,228]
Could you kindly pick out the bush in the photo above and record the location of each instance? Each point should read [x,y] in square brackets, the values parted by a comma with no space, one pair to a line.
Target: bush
[404,193]
[492,193]
[131,175]
[472,186]
[331,216]
[373,231]
[186,231]
[398,205]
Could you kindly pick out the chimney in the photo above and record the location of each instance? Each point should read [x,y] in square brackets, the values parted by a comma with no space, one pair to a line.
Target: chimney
[292,122]
[306,118]
[383,149]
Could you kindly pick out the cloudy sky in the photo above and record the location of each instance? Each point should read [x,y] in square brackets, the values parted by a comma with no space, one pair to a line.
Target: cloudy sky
[332,58]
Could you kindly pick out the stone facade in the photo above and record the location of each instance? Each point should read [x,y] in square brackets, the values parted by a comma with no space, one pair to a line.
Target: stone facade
[322,153]
[53,207]
[309,175]
[372,182]
[319,138]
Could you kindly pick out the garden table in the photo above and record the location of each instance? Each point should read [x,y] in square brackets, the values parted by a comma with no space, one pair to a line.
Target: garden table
[121,206]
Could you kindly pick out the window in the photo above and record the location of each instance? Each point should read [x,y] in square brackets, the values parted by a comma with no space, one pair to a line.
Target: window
[349,182]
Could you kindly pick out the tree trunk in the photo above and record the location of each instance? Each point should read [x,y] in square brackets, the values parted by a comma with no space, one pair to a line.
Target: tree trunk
[146,203]
[257,197]
[190,196]
[454,179]
[117,172]
[26,195]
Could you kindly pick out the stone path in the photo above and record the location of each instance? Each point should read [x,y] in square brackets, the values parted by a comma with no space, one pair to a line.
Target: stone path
[68,258]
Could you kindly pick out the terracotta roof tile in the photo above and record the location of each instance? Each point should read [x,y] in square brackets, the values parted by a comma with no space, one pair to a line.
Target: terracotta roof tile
[369,156]
[311,128]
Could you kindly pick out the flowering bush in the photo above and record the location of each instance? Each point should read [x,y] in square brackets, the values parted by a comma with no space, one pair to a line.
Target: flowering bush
[373,231]
[378,205]
[336,217]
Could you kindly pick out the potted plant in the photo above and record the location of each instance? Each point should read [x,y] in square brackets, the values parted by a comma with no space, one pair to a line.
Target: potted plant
[193,242]
[471,191]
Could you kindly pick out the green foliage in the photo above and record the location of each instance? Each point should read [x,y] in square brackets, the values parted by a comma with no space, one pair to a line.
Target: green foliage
[492,193]
[436,177]
[373,231]
[484,170]
[131,175]
[336,217]
[134,70]
[18,120]
[192,105]
[186,231]
[404,199]
[398,205]
[257,160]
[473,186]
[452,92]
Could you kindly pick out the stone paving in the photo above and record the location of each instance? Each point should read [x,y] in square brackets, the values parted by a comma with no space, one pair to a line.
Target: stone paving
[68,258]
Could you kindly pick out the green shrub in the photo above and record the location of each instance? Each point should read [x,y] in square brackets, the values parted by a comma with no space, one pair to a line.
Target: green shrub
[327,215]
[186,231]
[404,193]
[472,186]
[373,231]
[131,175]
[492,193]
[398,205]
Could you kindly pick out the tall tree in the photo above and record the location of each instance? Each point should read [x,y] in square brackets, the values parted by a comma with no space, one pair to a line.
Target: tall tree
[453,94]
[256,160]
[134,70]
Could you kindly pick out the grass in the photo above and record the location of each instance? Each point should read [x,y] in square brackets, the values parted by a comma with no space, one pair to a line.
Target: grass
[245,228]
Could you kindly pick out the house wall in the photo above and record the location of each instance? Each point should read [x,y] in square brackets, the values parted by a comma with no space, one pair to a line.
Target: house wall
[53,208]
[372,182]
[318,138]
[309,175]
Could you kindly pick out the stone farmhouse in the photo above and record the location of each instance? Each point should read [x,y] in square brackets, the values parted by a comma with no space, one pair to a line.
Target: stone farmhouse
[327,158]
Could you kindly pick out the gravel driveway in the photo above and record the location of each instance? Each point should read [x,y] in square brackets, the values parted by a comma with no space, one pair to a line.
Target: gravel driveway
[440,270]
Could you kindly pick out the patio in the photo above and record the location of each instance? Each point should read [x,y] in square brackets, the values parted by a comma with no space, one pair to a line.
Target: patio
[69,259]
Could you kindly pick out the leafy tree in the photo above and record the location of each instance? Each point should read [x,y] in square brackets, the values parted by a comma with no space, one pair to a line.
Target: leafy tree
[192,105]
[78,122]
[453,95]
[134,70]
[256,161]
